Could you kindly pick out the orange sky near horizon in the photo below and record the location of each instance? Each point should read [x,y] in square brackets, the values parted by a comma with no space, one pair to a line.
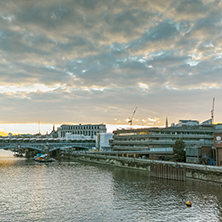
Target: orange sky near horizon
[2,133]
[33,128]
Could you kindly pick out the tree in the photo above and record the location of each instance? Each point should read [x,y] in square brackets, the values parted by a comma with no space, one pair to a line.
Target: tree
[179,152]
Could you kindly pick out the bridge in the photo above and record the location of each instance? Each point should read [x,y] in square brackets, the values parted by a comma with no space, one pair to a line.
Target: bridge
[31,146]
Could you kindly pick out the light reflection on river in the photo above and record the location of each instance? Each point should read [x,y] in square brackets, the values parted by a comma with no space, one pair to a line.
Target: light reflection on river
[73,191]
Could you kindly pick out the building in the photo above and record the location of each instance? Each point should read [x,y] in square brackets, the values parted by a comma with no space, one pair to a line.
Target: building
[188,123]
[218,148]
[77,137]
[54,133]
[103,141]
[85,130]
[160,141]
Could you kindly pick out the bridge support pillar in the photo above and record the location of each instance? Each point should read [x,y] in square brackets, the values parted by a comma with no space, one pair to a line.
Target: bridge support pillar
[29,153]
[58,154]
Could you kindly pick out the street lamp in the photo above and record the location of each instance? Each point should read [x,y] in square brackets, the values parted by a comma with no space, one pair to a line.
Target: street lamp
[213,150]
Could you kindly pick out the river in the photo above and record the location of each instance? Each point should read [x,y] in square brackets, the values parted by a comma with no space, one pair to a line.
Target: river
[75,191]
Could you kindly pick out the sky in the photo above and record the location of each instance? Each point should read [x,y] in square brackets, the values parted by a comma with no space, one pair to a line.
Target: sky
[95,61]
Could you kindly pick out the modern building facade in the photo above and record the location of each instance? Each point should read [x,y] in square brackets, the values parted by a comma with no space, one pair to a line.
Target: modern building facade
[103,141]
[77,137]
[161,140]
[218,148]
[85,130]
[188,123]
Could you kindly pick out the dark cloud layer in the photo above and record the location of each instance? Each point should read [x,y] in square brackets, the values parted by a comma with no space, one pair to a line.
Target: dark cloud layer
[96,60]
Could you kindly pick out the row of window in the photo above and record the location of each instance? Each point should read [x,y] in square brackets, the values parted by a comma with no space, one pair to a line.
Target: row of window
[165,133]
[79,127]
[85,133]
[163,139]
[45,142]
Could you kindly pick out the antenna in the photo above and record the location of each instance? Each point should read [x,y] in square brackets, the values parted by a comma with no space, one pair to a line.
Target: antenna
[166,122]
[39,128]
[212,111]
[130,120]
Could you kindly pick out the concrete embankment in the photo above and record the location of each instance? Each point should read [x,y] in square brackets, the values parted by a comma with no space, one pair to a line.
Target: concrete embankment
[155,168]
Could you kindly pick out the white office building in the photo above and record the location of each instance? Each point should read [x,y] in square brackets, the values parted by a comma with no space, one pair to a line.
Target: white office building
[103,141]
[70,136]
[90,130]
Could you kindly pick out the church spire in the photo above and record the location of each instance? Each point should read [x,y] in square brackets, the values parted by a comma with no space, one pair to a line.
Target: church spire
[166,122]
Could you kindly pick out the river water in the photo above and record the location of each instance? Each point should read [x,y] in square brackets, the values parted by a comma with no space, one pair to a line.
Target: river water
[75,191]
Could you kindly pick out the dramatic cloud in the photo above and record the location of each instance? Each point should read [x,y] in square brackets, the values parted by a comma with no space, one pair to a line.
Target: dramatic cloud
[94,61]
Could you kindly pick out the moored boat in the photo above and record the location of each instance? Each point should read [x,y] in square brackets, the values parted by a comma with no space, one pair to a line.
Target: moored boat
[43,158]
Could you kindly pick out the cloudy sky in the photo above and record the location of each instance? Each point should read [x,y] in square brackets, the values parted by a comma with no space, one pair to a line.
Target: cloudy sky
[94,61]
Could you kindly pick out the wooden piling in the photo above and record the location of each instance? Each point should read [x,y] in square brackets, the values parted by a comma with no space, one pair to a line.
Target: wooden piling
[168,171]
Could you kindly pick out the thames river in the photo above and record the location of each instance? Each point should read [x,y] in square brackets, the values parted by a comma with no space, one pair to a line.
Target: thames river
[75,191]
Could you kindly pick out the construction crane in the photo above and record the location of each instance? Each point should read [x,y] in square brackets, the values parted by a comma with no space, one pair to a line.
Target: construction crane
[212,111]
[130,120]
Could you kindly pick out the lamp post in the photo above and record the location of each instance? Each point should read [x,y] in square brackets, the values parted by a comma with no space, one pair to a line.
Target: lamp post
[213,150]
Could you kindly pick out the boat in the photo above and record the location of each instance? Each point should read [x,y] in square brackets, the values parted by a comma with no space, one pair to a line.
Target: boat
[43,158]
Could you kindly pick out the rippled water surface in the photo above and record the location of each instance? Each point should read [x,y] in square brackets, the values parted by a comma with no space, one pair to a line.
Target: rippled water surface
[74,191]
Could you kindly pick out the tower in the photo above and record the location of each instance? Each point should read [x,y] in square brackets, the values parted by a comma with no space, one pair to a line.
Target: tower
[166,122]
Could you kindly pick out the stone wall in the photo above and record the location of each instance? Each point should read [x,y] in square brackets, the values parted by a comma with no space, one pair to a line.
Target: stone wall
[189,171]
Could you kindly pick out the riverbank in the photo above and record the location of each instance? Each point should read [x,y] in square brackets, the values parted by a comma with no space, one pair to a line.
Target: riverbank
[154,168]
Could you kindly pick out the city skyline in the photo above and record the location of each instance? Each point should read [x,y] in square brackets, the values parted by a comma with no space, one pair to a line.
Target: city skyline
[65,62]
[35,128]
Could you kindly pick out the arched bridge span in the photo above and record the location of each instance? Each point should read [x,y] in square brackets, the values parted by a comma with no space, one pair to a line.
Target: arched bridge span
[42,144]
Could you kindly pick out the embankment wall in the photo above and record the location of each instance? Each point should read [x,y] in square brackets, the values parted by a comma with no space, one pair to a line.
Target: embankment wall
[163,169]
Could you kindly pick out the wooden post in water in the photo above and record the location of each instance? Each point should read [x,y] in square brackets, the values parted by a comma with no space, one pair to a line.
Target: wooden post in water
[165,171]
[168,171]
[151,170]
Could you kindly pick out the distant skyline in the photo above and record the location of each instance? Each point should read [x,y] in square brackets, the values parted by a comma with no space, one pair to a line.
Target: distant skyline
[34,128]
[65,61]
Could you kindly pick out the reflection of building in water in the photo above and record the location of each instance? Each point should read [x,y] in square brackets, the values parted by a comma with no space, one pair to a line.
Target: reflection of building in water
[198,138]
